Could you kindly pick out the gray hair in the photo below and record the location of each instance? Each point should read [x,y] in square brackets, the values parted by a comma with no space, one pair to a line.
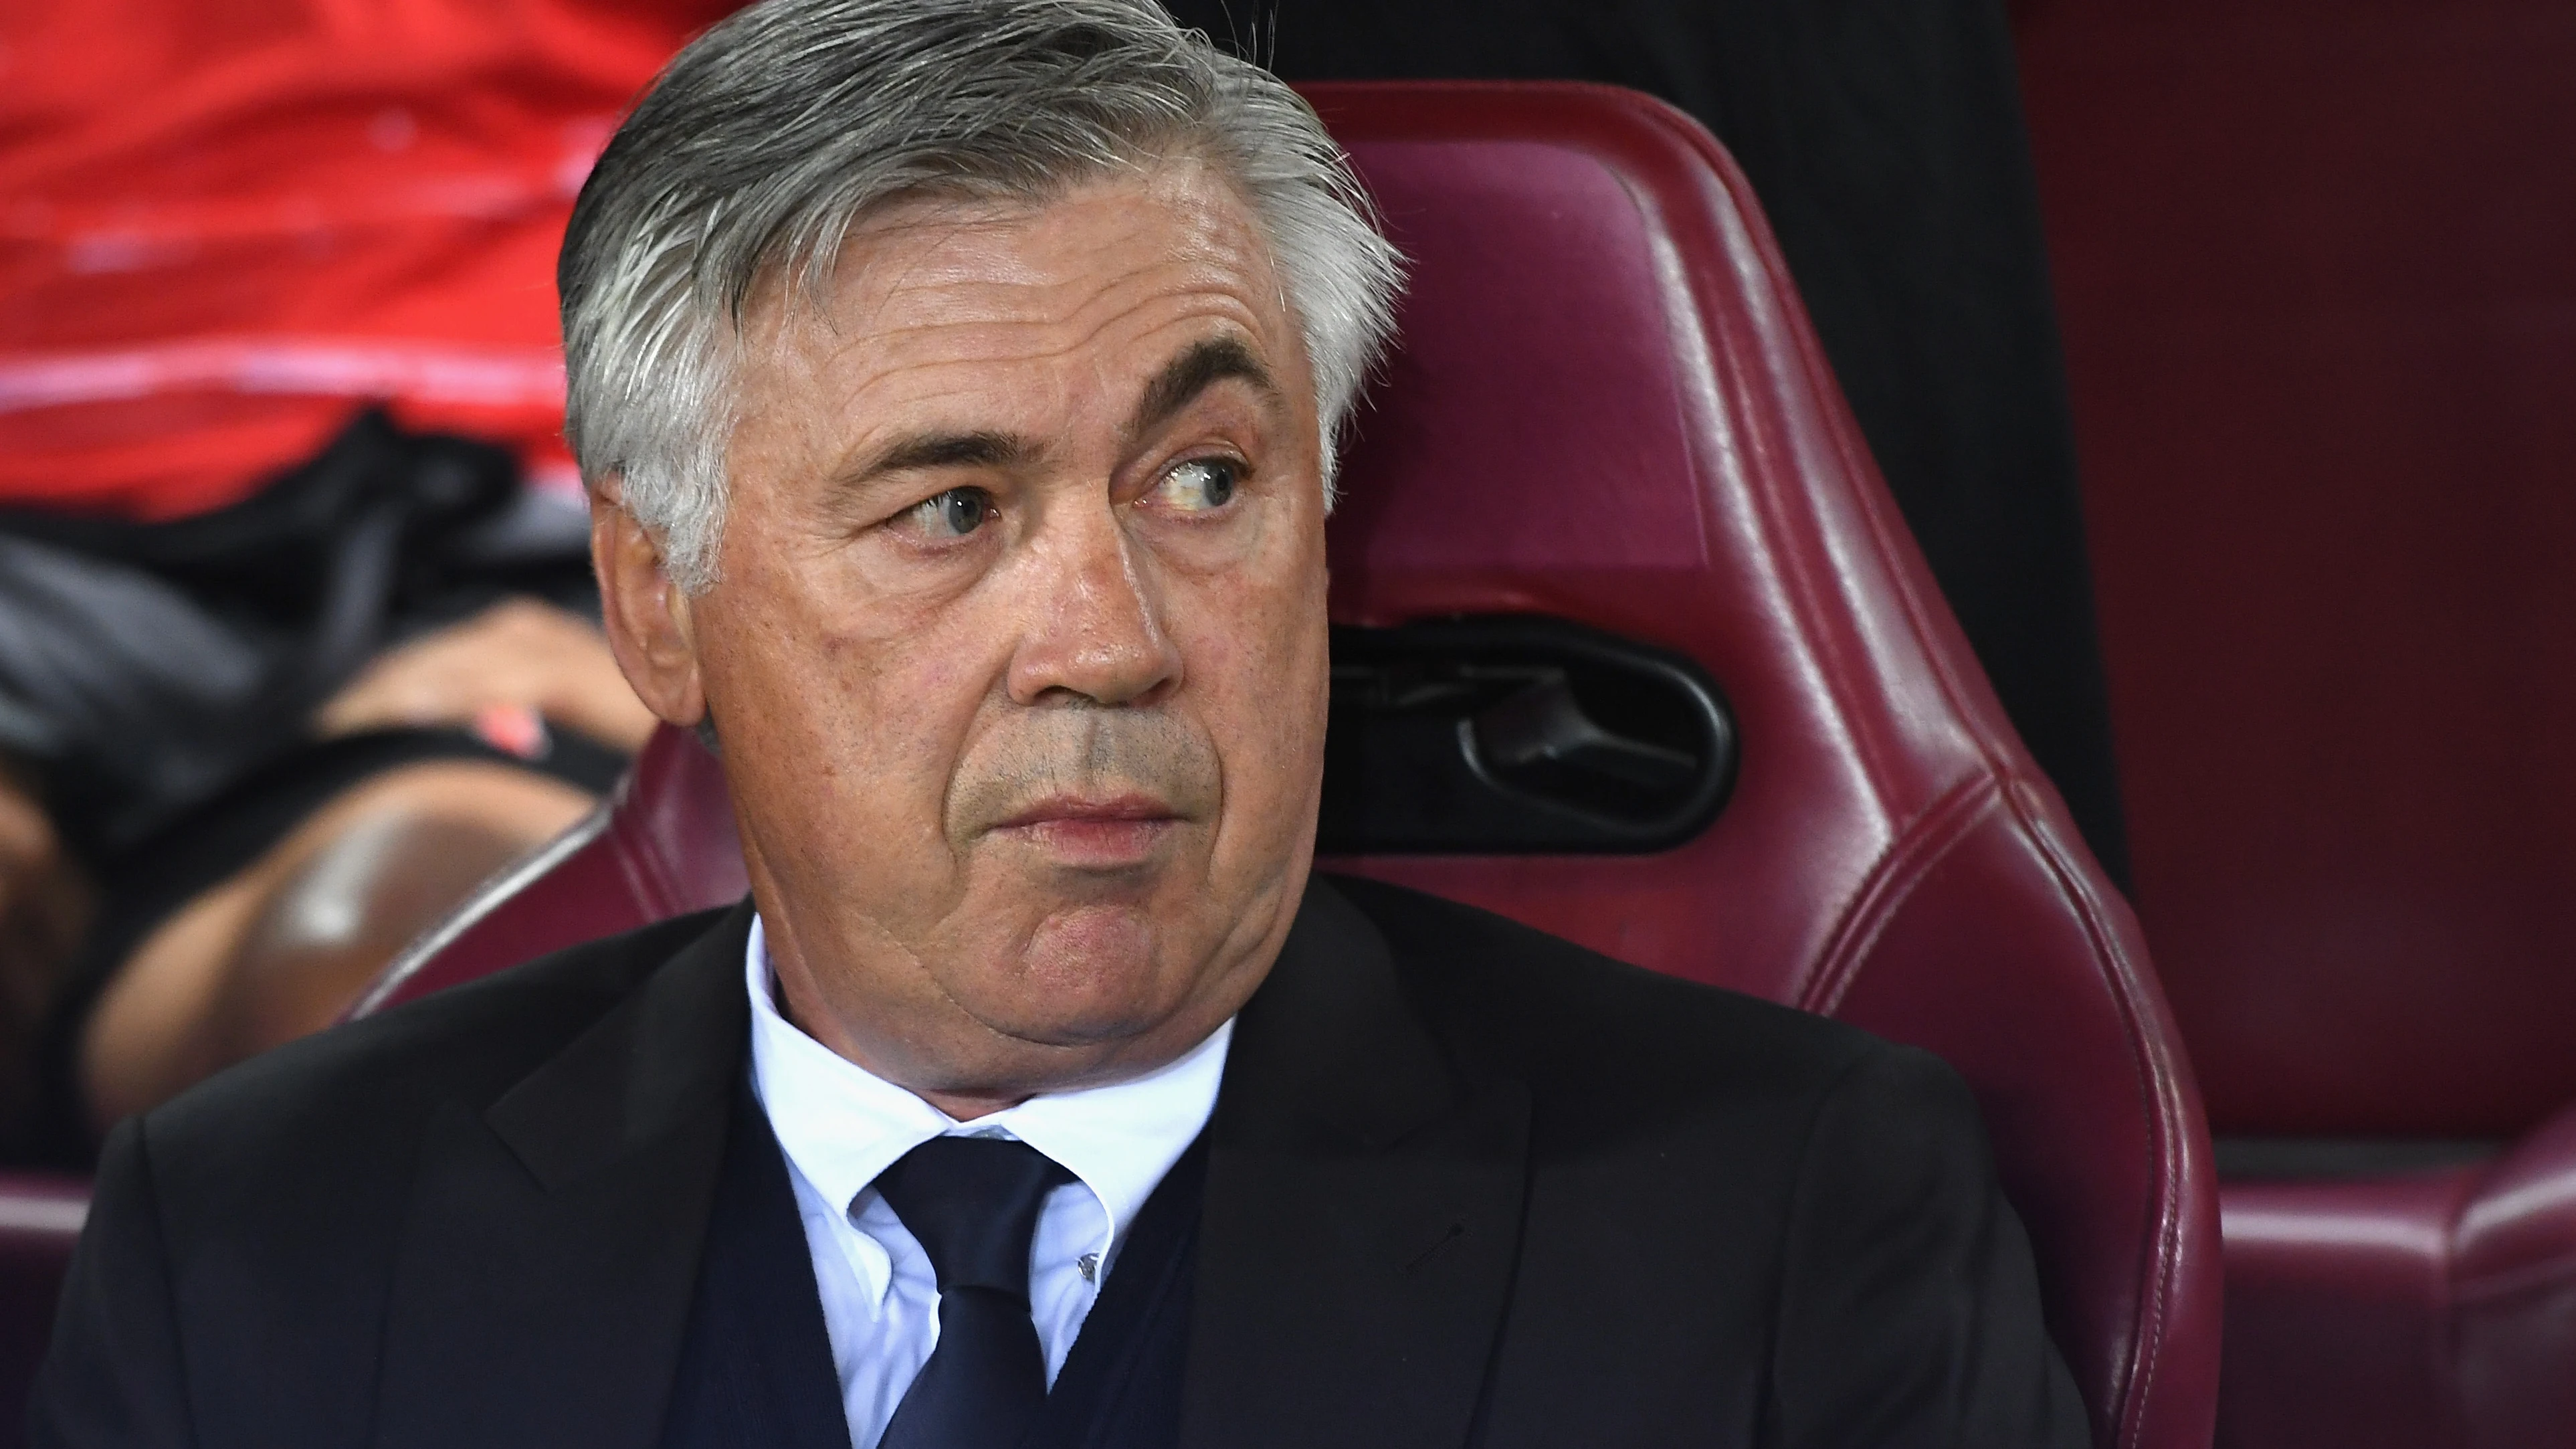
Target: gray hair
[778,130]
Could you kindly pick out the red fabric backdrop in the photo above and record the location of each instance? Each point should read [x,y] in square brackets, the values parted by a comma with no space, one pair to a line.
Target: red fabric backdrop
[223,223]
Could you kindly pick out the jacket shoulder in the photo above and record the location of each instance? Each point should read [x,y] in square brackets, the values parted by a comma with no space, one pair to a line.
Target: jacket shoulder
[334,1110]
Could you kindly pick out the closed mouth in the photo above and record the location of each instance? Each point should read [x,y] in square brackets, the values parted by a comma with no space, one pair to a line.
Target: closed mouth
[1081,810]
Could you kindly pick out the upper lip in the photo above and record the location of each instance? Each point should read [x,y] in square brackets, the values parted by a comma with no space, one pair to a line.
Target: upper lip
[1089,807]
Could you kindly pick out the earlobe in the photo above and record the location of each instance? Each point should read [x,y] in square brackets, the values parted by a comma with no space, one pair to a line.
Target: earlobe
[645,614]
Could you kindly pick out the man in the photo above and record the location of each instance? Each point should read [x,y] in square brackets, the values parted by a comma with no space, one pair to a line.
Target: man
[957,385]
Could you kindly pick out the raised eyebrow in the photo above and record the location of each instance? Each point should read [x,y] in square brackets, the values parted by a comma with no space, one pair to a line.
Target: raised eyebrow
[1199,366]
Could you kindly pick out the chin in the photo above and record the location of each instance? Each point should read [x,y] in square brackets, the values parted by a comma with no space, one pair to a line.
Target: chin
[1087,976]
[1078,1030]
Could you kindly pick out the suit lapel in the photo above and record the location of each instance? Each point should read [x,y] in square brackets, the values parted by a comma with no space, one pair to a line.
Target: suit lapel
[1362,1217]
[546,1271]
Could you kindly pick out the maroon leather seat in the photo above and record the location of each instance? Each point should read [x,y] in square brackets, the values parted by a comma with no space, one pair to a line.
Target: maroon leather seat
[2430,1310]
[1608,408]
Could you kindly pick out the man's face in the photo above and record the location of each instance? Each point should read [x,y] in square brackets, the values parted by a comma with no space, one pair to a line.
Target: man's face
[1018,653]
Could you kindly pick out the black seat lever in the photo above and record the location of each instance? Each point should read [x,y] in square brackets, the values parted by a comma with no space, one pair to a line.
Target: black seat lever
[1517,734]
[1543,721]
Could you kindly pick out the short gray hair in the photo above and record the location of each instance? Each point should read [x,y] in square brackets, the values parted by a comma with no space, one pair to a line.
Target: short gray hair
[774,133]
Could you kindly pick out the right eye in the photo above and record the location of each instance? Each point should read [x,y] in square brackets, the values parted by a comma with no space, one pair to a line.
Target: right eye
[953,514]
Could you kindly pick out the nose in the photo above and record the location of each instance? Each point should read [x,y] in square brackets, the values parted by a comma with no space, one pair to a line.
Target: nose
[1095,632]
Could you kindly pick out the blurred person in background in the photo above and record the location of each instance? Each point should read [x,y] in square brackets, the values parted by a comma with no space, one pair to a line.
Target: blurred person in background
[297,635]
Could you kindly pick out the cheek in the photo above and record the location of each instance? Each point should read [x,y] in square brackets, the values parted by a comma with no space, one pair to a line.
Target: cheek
[870,707]
[1257,650]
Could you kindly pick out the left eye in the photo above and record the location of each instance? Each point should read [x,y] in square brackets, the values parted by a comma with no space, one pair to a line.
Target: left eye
[953,514]
[1200,484]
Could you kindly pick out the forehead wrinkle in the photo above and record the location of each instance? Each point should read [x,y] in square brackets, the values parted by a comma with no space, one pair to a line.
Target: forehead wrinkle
[1114,301]
[1218,271]
[1184,310]
[1219,243]
[1218,227]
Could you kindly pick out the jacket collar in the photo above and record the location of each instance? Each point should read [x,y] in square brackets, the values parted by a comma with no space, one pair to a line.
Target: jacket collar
[1362,1212]
[664,1060]
[544,1278]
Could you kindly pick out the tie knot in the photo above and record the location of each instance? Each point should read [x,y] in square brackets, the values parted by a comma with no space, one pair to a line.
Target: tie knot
[972,1203]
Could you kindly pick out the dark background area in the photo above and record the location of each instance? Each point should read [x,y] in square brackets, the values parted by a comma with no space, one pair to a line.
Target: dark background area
[2316,265]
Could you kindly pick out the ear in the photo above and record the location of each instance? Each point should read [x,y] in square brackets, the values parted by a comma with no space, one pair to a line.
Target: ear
[646,615]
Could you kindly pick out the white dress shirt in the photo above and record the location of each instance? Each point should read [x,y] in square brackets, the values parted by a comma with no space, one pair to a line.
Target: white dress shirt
[840,1125]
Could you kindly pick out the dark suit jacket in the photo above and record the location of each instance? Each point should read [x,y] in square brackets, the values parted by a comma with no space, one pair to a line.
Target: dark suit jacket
[1466,1184]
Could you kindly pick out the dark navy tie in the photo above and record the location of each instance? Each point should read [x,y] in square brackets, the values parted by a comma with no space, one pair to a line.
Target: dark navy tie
[972,1203]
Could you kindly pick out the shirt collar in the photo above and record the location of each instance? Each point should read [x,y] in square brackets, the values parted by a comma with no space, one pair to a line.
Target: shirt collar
[842,1125]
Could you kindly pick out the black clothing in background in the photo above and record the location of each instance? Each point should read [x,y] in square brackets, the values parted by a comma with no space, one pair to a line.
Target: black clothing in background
[1465,1184]
[1885,140]
[148,668]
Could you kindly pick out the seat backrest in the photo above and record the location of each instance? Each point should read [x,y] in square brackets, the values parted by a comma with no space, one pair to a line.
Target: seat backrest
[1607,407]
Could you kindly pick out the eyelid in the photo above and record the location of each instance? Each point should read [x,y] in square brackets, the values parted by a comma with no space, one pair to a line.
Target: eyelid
[1228,456]
[908,510]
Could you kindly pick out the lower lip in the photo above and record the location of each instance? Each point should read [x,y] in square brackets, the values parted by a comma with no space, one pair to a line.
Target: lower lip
[1095,841]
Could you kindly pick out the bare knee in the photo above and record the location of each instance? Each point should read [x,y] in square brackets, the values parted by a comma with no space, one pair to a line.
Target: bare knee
[328,927]
[281,949]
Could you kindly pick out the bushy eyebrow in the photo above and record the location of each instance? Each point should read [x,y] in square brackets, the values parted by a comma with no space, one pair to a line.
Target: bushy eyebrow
[1199,367]
[949,450]
[1193,371]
